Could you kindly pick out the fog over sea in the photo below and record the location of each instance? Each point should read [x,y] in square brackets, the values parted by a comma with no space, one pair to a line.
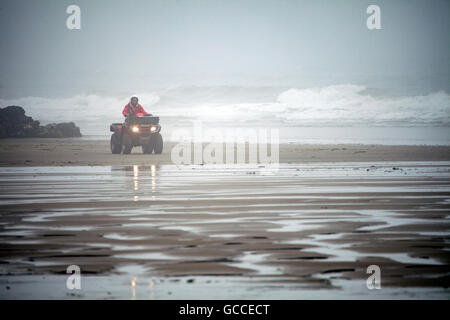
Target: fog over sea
[378,113]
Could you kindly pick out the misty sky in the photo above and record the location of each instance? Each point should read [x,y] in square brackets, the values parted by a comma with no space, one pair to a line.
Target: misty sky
[217,42]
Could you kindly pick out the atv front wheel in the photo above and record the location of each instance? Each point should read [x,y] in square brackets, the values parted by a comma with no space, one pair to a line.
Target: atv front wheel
[116,146]
[148,148]
[127,144]
[157,142]
[127,150]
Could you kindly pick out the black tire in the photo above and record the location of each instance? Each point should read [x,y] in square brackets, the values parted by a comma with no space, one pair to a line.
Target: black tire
[116,146]
[127,144]
[147,149]
[127,149]
[157,143]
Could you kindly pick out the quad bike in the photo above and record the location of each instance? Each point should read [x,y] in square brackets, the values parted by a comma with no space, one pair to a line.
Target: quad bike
[137,130]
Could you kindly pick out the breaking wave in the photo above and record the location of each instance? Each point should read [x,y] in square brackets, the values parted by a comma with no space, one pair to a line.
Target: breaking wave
[348,103]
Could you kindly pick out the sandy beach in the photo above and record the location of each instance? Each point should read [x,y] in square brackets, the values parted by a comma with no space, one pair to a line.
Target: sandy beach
[63,152]
[140,227]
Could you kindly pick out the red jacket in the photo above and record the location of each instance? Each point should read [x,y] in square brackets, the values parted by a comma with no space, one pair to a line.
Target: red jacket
[127,109]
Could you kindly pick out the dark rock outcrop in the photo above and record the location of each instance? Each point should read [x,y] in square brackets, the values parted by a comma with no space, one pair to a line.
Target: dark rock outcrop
[60,130]
[15,124]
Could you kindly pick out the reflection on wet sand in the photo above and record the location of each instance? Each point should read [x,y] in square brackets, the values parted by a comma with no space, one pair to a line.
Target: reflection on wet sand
[133,288]
[153,171]
[308,227]
[138,173]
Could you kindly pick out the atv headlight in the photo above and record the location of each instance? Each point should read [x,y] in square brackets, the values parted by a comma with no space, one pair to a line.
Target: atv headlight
[153,129]
[135,129]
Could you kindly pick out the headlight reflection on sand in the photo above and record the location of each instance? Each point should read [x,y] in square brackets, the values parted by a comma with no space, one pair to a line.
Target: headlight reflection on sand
[136,181]
[142,185]
[153,171]
[133,288]
[152,284]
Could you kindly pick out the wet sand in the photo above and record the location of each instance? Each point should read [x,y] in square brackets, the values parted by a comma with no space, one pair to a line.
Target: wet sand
[69,152]
[164,231]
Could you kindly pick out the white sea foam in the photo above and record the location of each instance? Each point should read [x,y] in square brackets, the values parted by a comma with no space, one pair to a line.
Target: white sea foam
[349,103]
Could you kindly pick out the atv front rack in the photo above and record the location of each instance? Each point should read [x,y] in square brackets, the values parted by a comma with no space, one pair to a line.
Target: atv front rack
[142,120]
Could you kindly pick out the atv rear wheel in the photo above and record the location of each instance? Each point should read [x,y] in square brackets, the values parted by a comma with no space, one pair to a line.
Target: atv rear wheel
[157,142]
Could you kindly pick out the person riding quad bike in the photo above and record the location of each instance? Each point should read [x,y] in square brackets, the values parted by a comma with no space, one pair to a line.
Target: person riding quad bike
[133,107]
[139,129]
